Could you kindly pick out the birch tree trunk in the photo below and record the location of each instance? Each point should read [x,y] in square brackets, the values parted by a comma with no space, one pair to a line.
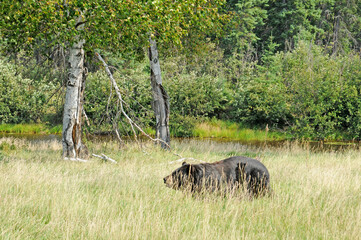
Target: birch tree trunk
[160,97]
[73,106]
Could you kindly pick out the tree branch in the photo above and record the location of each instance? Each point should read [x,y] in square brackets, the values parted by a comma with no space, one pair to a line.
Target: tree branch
[131,122]
[105,158]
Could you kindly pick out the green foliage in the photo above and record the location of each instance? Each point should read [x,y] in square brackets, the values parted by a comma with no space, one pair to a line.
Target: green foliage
[246,17]
[197,96]
[321,94]
[261,102]
[113,25]
[182,125]
[341,24]
[287,19]
[311,89]
[305,92]
[256,24]
[315,95]
[21,99]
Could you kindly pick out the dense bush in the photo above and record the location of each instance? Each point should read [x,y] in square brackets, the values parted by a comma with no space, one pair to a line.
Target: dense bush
[258,103]
[197,96]
[21,99]
[311,93]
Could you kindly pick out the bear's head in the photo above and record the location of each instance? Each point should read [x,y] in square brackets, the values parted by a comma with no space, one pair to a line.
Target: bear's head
[183,177]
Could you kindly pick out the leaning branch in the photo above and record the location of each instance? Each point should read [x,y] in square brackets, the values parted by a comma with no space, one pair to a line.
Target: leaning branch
[131,122]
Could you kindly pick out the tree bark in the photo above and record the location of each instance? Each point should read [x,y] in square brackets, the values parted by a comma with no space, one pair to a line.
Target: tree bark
[336,31]
[160,97]
[73,106]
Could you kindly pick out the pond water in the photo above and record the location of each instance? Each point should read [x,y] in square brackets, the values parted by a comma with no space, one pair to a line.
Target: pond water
[313,146]
[32,137]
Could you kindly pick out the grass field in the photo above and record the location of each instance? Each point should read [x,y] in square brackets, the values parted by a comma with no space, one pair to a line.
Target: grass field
[230,130]
[317,195]
[35,128]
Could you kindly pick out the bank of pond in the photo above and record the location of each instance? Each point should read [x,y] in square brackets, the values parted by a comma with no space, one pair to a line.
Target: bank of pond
[216,132]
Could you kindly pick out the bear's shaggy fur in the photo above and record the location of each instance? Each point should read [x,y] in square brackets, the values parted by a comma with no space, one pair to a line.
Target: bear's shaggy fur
[256,178]
[226,174]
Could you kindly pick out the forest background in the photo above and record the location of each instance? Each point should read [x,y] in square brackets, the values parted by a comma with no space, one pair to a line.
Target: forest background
[292,67]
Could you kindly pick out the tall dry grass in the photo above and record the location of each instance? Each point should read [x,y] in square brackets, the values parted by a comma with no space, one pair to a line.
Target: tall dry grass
[317,195]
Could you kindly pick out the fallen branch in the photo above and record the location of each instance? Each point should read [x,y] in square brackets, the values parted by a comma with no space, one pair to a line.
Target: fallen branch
[105,158]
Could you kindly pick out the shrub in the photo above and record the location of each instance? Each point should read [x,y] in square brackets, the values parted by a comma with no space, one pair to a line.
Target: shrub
[21,99]
[307,91]
[182,126]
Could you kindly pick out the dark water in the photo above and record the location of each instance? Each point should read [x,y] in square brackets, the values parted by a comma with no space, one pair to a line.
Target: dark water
[32,137]
[310,145]
[313,146]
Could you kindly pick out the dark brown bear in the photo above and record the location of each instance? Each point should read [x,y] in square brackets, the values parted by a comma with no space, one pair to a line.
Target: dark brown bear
[226,174]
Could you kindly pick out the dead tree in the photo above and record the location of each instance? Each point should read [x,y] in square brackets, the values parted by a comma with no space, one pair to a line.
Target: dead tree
[160,97]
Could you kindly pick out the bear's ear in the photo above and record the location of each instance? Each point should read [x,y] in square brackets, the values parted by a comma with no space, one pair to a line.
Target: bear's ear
[184,163]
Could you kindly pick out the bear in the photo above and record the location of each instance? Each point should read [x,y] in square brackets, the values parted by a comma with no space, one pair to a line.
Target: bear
[226,174]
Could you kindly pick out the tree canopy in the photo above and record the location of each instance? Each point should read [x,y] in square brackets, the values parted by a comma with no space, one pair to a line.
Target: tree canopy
[119,25]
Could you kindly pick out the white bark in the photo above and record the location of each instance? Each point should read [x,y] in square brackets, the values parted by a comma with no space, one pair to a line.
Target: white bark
[73,106]
[160,97]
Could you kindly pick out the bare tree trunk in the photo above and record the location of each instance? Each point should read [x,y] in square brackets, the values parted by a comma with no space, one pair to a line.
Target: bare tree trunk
[336,31]
[73,106]
[160,97]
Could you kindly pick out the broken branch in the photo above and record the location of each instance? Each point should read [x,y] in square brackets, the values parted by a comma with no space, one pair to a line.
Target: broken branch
[131,122]
[105,158]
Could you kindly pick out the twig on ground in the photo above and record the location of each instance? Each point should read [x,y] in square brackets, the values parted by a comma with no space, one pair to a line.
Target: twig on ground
[104,157]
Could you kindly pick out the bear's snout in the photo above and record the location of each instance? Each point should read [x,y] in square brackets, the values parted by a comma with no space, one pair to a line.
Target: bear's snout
[168,181]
